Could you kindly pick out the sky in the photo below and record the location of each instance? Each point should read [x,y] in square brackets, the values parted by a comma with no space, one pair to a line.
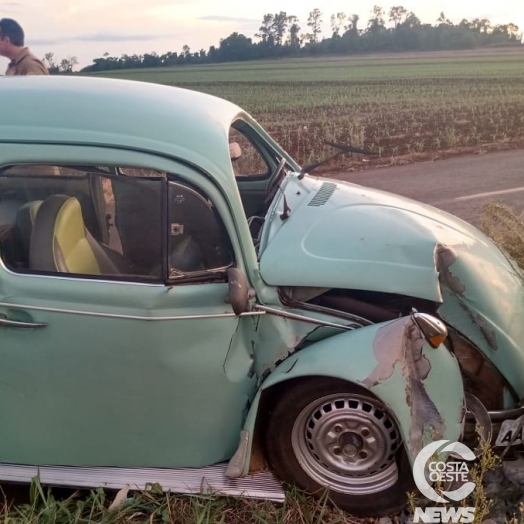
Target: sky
[87,29]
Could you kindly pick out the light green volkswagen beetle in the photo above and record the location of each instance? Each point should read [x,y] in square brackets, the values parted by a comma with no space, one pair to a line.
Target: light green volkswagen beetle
[180,303]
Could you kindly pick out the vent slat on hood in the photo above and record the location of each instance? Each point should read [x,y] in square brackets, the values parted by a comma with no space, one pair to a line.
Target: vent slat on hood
[323,194]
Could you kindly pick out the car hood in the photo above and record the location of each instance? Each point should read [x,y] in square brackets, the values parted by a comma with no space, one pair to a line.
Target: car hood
[341,235]
[347,236]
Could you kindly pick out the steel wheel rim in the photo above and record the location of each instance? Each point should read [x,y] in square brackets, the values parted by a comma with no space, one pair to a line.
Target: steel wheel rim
[347,443]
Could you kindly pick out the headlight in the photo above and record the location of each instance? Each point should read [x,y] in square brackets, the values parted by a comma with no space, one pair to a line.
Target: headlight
[434,331]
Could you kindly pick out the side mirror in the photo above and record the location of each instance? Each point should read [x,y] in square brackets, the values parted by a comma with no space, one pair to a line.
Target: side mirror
[234,151]
[238,290]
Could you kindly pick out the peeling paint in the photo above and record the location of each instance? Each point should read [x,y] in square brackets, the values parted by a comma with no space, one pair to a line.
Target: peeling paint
[281,353]
[292,366]
[401,343]
[278,339]
[487,332]
[444,258]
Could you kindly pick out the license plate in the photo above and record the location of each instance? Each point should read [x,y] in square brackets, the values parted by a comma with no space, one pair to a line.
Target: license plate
[511,431]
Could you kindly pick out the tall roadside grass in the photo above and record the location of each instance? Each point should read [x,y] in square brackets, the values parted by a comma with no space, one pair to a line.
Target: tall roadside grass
[45,506]
[506,228]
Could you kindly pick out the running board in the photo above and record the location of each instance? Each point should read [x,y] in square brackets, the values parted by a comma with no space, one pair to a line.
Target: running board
[208,480]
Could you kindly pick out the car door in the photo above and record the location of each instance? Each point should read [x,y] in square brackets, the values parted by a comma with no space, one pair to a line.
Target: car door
[110,354]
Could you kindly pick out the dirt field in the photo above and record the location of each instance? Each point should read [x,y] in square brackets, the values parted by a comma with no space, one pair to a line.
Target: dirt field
[404,107]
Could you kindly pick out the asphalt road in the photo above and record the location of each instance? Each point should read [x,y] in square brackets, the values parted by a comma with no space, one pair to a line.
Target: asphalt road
[459,185]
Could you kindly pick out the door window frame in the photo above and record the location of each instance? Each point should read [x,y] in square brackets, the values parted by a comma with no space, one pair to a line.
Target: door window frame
[111,159]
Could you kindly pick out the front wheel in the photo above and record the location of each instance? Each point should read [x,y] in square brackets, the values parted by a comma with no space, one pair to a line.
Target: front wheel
[324,434]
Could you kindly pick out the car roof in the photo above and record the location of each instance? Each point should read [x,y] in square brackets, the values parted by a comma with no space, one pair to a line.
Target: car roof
[110,112]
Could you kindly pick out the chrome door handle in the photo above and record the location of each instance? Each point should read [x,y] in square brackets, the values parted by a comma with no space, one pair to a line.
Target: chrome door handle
[7,322]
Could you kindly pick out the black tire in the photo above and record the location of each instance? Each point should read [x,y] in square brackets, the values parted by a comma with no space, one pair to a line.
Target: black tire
[281,444]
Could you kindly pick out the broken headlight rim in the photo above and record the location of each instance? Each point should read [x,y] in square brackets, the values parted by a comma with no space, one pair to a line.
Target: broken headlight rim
[434,331]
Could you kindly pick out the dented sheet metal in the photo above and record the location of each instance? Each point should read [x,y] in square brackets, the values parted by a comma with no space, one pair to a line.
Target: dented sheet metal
[364,239]
[279,337]
[483,299]
[401,345]
[395,364]
[359,239]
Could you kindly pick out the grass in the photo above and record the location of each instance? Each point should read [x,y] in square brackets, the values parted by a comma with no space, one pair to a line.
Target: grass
[405,107]
[46,506]
[153,506]
[506,228]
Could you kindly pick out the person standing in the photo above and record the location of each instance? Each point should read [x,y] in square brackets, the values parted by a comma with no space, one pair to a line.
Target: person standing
[23,62]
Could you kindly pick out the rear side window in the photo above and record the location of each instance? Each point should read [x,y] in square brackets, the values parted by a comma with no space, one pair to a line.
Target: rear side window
[121,223]
[61,219]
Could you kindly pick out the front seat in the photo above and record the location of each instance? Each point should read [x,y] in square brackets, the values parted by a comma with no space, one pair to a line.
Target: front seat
[25,219]
[60,242]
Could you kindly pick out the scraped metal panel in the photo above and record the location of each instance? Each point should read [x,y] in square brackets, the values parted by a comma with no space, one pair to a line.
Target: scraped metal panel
[211,479]
[323,194]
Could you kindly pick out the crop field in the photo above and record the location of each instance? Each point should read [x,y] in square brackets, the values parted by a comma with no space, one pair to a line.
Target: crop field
[404,107]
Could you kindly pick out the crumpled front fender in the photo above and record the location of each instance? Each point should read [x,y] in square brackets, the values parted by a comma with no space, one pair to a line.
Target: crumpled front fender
[422,386]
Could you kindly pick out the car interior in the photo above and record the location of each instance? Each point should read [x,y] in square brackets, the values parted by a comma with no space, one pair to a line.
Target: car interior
[119,223]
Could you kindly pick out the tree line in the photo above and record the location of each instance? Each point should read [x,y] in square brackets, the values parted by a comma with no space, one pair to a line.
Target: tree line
[66,65]
[281,35]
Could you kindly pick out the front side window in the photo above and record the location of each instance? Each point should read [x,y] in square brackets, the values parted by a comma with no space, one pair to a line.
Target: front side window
[106,221]
[246,157]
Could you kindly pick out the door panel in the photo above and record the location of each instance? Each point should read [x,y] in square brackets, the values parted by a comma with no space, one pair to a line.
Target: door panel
[122,375]
[128,371]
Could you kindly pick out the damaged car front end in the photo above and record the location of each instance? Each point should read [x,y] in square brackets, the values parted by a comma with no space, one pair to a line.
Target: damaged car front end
[352,411]
[379,256]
